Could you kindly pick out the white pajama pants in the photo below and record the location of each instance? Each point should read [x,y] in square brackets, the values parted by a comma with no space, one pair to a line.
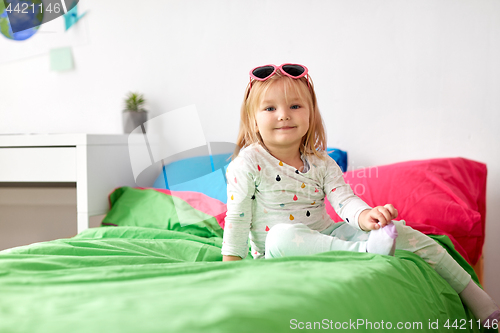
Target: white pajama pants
[297,239]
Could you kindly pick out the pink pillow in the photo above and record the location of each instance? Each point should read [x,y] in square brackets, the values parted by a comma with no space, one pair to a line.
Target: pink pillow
[445,196]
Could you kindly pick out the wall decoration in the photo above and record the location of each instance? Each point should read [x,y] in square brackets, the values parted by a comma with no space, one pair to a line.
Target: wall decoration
[39,40]
[6,25]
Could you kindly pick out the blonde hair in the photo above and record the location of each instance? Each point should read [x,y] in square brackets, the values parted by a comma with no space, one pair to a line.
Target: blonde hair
[313,142]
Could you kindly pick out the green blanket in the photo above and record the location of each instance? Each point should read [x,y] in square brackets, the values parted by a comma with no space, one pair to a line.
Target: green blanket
[138,279]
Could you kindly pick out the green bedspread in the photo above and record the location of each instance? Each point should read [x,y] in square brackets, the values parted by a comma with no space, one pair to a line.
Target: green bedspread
[137,279]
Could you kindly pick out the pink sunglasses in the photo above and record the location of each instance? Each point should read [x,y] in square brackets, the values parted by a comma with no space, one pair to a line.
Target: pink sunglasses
[263,73]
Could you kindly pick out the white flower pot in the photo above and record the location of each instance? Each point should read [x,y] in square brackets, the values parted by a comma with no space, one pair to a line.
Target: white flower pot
[133,119]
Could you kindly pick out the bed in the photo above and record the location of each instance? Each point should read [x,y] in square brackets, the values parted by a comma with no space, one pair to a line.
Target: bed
[154,265]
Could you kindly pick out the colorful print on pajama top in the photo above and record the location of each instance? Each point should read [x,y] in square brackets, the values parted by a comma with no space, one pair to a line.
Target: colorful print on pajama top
[263,191]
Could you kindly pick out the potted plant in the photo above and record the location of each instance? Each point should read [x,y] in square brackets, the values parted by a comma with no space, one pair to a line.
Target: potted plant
[134,114]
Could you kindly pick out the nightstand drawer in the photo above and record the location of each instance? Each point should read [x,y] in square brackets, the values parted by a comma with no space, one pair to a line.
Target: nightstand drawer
[38,164]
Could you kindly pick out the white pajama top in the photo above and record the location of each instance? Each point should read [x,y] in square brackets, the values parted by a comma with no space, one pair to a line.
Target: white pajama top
[262,191]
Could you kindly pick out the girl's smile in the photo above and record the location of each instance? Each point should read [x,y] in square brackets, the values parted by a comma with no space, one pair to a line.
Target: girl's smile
[285,128]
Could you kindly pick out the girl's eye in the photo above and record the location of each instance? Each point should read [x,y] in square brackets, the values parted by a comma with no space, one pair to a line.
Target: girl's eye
[270,109]
[295,107]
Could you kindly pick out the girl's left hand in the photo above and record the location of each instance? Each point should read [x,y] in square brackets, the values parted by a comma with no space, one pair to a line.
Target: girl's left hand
[377,217]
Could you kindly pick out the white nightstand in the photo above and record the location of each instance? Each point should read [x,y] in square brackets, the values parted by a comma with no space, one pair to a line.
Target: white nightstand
[96,163]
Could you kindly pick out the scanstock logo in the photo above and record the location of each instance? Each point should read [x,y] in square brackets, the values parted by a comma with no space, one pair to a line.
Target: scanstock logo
[27,14]
[172,147]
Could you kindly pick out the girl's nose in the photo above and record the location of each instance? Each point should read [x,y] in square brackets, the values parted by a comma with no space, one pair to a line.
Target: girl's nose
[283,114]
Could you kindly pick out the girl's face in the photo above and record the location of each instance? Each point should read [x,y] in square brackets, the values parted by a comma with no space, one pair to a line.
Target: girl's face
[282,122]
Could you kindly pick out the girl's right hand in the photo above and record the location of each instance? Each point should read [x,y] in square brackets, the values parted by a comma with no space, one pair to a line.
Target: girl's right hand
[376,218]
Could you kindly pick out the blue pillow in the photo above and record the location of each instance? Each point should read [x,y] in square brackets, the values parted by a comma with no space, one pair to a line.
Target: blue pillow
[339,156]
[206,174]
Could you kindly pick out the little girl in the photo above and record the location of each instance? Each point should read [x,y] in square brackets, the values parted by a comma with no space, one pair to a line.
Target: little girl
[280,175]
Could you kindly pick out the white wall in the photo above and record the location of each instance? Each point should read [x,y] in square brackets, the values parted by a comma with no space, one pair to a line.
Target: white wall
[396,80]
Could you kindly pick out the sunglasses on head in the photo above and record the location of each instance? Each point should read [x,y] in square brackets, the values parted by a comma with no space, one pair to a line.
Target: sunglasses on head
[262,73]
